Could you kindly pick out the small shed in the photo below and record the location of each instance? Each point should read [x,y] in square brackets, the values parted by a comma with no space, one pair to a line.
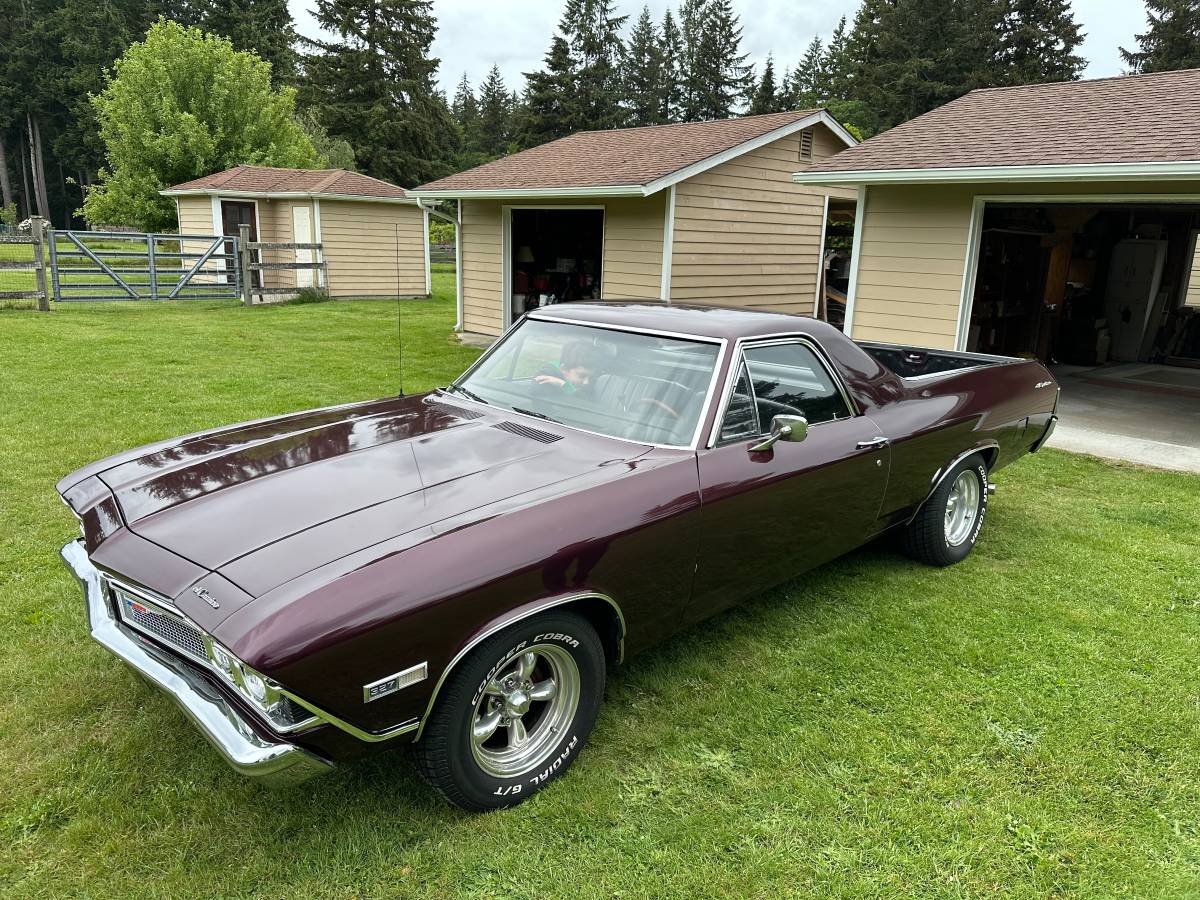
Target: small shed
[1053,220]
[696,211]
[374,237]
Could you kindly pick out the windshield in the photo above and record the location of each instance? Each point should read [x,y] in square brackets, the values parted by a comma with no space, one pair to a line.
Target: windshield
[638,387]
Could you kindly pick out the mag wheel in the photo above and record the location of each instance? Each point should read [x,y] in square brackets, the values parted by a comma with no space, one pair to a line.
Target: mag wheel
[514,713]
[946,528]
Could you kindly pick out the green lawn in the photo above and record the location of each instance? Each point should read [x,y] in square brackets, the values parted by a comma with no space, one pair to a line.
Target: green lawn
[1024,724]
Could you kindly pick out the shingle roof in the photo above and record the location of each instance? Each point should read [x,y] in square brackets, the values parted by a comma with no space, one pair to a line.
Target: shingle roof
[266,180]
[623,156]
[1130,119]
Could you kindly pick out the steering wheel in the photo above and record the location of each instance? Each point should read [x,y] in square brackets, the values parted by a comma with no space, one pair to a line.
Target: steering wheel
[654,401]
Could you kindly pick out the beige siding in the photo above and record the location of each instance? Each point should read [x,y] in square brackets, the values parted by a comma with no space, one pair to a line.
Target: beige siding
[913,252]
[747,235]
[631,266]
[1192,297]
[196,217]
[373,249]
[481,267]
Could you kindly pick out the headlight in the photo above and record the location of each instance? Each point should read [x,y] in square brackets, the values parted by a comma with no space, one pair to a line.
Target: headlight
[254,684]
[262,693]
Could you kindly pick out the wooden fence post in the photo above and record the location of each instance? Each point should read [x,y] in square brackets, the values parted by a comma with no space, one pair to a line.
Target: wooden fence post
[244,263]
[38,231]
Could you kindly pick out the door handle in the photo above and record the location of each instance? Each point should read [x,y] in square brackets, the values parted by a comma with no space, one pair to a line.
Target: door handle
[873,443]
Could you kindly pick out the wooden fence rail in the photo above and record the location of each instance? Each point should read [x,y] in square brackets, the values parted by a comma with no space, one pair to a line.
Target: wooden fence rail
[23,266]
[253,268]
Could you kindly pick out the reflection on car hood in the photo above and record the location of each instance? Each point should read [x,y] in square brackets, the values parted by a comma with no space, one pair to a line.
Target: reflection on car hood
[265,502]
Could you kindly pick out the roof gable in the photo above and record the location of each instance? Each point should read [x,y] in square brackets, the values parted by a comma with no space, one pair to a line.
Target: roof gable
[626,160]
[1121,123]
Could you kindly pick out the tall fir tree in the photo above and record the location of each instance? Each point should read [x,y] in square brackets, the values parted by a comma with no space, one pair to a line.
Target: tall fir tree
[550,109]
[809,82]
[593,32]
[465,110]
[495,115]
[1039,41]
[671,53]
[262,26]
[766,95]
[837,69]
[643,83]
[692,18]
[373,85]
[721,78]
[1171,40]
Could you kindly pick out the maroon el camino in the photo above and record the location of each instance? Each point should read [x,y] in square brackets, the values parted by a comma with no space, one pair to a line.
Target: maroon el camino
[458,570]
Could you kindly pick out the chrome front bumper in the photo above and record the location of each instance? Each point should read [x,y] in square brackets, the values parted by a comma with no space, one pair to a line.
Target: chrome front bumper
[269,761]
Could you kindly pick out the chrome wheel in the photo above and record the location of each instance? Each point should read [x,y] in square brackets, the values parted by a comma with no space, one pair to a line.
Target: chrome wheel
[962,508]
[524,710]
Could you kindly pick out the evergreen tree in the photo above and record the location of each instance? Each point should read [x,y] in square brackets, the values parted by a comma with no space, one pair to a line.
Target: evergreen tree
[671,53]
[720,77]
[692,16]
[593,32]
[1039,42]
[644,85]
[836,65]
[810,81]
[1171,40]
[262,26]
[550,109]
[374,86]
[766,96]
[465,110]
[495,115]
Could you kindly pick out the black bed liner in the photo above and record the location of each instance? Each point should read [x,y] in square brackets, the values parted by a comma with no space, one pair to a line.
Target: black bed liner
[920,362]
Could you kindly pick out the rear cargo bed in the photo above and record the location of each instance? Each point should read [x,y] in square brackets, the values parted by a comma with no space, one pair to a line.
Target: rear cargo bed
[919,362]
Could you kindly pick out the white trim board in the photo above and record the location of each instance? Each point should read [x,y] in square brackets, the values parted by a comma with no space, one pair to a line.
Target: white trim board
[459,300]
[820,117]
[860,213]
[321,273]
[425,231]
[821,257]
[1141,171]
[664,290]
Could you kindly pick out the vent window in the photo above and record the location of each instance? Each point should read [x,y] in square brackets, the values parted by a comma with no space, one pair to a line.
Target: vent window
[806,145]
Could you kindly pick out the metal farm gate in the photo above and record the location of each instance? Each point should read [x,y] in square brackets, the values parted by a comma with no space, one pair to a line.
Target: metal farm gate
[115,265]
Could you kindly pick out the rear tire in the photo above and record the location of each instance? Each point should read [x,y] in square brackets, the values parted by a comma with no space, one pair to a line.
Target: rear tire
[514,713]
[945,529]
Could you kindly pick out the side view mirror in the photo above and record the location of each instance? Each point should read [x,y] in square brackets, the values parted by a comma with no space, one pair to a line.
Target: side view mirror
[784,428]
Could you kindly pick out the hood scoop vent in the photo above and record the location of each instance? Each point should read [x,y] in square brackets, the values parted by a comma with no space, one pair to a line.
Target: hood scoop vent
[456,410]
[534,434]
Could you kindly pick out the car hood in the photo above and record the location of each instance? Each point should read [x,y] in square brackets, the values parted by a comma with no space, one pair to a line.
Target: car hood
[265,502]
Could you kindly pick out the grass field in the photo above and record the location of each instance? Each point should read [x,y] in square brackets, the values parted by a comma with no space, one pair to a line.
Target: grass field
[1025,724]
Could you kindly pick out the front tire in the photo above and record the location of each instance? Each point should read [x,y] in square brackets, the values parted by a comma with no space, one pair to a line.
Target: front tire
[947,526]
[515,712]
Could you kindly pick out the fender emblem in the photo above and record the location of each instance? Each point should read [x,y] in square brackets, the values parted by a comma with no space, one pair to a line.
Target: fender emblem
[206,597]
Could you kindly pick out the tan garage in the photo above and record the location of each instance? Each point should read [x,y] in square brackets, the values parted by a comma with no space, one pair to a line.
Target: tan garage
[374,237]
[1057,221]
[698,211]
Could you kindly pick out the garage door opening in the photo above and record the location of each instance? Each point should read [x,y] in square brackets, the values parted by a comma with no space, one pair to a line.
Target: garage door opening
[1087,284]
[554,256]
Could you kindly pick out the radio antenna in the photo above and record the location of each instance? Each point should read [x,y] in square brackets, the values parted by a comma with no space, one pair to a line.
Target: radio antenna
[399,330]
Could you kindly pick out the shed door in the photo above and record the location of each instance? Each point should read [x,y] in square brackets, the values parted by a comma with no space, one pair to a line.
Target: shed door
[302,234]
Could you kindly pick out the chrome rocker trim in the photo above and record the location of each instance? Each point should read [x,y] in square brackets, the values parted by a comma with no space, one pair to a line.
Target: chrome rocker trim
[274,763]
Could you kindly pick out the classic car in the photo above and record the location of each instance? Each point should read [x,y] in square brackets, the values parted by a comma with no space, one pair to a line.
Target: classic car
[459,570]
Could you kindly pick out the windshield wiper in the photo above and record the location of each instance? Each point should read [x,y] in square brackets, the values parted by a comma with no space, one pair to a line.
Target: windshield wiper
[470,395]
[536,415]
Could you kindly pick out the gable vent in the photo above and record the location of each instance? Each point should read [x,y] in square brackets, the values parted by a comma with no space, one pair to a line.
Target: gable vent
[534,434]
[806,145]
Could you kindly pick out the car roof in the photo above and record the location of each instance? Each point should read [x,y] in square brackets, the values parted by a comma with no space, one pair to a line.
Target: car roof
[706,321]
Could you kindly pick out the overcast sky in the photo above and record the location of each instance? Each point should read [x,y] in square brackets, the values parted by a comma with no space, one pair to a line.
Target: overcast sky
[474,34]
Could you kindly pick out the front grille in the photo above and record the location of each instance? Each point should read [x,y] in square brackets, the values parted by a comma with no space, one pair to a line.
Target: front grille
[170,629]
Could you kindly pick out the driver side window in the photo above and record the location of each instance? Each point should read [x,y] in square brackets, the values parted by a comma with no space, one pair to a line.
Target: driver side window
[781,379]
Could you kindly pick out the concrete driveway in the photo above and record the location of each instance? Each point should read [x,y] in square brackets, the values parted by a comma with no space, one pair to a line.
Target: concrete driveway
[1149,415]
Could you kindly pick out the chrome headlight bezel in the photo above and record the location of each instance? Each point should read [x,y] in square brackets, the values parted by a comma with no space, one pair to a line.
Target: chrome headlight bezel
[283,711]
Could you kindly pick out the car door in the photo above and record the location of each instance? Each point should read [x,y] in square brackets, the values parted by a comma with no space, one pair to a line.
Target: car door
[770,514]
